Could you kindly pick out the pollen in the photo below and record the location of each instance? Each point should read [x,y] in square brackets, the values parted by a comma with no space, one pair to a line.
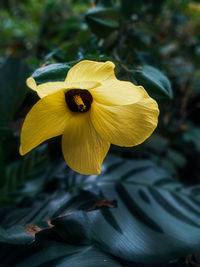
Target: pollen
[78,100]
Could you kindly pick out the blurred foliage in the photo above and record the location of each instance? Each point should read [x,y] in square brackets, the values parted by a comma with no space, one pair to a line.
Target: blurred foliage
[135,211]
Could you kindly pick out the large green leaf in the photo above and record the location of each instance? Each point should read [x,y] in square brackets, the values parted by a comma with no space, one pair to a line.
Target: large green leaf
[156,217]
[13,73]
[57,253]
[154,81]
[51,73]
[102,20]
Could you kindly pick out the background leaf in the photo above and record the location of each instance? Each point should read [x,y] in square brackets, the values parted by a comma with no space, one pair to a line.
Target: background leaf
[13,73]
[102,20]
[26,176]
[154,81]
[152,209]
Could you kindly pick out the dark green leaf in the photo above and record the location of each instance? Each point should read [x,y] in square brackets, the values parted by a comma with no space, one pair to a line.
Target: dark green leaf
[25,176]
[152,209]
[14,235]
[13,74]
[129,7]
[102,21]
[51,73]
[154,81]
[192,135]
[2,167]
[59,254]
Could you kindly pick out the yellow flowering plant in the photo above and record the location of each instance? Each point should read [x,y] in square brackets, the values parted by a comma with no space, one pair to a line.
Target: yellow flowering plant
[91,109]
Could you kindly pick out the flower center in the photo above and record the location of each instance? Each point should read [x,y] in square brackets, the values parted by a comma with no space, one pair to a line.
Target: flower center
[78,100]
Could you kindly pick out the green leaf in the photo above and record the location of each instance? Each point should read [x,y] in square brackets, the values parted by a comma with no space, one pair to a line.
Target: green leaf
[13,73]
[102,21]
[156,217]
[196,85]
[14,235]
[2,166]
[51,73]
[153,209]
[154,81]
[129,7]
[160,152]
[58,254]
[26,176]
[192,135]
[106,3]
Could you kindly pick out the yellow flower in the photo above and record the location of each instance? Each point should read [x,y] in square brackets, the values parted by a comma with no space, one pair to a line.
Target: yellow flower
[91,109]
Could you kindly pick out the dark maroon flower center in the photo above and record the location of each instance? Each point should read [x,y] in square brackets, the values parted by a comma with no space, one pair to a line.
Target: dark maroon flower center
[78,100]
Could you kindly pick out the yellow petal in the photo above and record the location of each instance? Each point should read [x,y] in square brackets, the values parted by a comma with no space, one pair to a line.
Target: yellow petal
[116,92]
[83,148]
[45,89]
[52,87]
[126,125]
[87,70]
[31,83]
[83,85]
[46,119]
